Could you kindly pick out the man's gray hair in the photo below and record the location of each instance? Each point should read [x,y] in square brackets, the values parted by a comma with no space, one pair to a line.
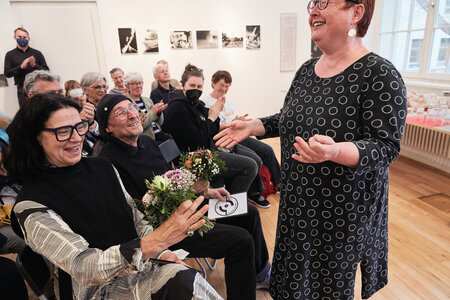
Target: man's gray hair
[29,84]
[155,68]
[132,76]
[91,77]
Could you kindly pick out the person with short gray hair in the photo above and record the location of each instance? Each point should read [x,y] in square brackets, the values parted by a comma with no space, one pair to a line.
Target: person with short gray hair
[117,78]
[151,116]
[163,84]
[42,81]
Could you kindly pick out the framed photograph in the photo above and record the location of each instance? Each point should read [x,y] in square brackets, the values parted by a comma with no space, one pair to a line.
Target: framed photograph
[181,40]
[127,40]
[288,42]
[232,39]
[253,35]
[207,39]
[150,41]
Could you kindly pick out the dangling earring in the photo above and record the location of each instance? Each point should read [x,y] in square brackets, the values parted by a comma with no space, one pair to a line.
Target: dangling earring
[352,32]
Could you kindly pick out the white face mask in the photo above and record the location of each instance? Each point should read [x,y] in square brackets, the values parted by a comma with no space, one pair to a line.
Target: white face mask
[76,93]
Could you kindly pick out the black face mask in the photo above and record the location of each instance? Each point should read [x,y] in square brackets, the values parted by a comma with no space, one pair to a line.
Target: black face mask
[193,95]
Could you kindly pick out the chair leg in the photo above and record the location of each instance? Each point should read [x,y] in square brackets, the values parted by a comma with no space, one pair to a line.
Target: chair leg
[209,264]
[201,267]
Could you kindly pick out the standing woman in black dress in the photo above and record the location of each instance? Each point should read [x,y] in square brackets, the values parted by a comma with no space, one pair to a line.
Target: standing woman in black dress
[340,129]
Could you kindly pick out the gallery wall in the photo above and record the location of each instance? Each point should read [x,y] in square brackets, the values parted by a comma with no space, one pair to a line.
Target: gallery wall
[258,85]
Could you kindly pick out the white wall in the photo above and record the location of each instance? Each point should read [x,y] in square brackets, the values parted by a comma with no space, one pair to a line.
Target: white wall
[258,85]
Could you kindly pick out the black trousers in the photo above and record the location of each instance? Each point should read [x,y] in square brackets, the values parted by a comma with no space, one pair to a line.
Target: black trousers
[20,95]
[252,223]
[236,246]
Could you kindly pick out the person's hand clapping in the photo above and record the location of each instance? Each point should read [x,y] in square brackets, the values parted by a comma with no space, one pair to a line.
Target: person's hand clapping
[158,108]
[88,112]
[32,61]
[216,108]
[319,148]
[25,62]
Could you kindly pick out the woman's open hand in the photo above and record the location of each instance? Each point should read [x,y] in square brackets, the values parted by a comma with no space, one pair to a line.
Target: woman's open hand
[184,219]
[319,148]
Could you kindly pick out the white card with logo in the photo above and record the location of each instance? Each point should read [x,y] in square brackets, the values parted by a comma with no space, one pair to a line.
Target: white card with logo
[234,206]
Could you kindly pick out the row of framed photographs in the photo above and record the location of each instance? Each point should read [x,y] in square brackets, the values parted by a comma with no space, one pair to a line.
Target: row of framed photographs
[146,41]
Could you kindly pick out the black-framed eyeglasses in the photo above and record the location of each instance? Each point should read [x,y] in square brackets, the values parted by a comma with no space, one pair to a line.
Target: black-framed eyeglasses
[122,112]
[322,4]
[64,133]
[190,69]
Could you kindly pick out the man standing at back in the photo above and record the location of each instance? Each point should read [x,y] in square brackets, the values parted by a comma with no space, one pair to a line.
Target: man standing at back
[23,60]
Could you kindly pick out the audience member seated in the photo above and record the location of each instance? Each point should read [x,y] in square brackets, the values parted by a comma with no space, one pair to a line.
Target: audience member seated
[117,78]
[137,157]
[193,126]
[221,82]
[41,81]
[163,84]
[75,212]
[8,194]
[94,87]
[70,85]
[150,114]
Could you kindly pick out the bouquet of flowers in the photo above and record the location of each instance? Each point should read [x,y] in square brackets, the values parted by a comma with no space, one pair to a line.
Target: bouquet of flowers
[165,193]
[204,164]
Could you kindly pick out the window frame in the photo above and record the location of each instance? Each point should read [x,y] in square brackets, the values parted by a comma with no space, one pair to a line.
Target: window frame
[425,58]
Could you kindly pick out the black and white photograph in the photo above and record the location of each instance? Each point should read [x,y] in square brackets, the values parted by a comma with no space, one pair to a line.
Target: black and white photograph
[232,39]
[253,34]
[315,51]
[150,41]
[207,39]
[181,40]
[127,39]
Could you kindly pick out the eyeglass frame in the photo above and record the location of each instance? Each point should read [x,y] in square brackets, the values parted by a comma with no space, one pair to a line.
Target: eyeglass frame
[136,83]
[98,87]
[73,127]
[124,111]
[317,3]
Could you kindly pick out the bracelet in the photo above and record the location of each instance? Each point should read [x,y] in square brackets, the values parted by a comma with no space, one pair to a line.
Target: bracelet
[90,124]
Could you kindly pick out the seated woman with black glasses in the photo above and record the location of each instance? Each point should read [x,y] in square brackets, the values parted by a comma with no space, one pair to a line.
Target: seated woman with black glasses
[76,213]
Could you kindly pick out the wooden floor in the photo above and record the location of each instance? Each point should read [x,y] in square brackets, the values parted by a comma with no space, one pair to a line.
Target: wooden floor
[419,235]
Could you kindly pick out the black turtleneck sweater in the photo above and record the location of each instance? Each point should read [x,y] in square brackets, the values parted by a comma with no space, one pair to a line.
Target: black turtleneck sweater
[88,197]
[135,164]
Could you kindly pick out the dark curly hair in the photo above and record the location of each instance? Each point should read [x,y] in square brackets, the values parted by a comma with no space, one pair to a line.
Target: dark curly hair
[24,157]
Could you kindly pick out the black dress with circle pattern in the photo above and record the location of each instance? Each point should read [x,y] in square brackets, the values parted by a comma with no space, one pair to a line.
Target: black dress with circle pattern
[331,217]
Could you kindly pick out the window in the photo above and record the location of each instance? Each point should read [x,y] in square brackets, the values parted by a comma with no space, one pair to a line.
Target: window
[415,36]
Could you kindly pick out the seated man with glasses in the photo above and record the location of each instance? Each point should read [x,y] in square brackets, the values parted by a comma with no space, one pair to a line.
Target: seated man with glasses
[137,157]
[150,114]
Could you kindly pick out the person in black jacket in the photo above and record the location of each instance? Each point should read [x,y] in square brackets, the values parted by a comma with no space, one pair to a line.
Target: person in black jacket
[192,126]
[22,60]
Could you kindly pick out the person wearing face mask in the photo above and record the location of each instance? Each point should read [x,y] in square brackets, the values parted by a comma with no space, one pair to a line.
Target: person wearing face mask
[193,126]
[22,60]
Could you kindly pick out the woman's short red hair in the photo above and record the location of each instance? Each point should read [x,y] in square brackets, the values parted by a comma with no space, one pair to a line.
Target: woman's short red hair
[363,24]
